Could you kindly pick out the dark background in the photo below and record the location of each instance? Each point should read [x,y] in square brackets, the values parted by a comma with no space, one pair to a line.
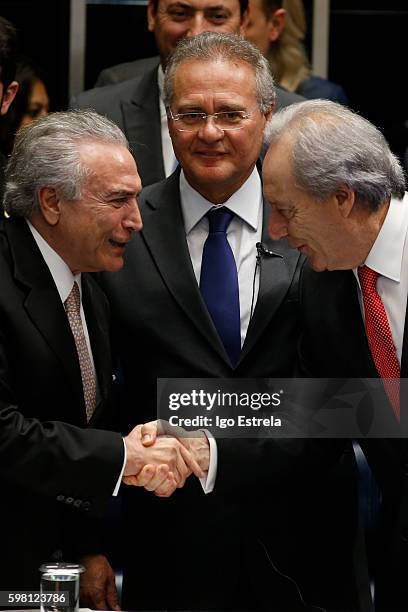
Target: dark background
[367,51]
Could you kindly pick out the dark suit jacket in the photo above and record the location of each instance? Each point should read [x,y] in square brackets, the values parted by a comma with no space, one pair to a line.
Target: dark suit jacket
[134,106]
[334,344]
[234,548]
[52,471]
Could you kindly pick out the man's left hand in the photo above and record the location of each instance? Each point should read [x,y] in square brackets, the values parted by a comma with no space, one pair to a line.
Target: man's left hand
[98,589]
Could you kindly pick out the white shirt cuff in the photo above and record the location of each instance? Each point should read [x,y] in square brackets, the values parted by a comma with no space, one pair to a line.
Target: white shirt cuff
[116,489]
[208,482]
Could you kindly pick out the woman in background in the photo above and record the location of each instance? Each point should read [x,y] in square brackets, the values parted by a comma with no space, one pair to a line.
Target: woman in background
[278,29]
[30,103]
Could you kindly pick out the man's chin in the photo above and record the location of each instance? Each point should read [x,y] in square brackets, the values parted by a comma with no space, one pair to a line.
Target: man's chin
[317,266]
[114,264]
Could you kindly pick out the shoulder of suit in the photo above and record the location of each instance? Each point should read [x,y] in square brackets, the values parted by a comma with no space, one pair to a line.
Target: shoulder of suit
[108,95]
[126,70]
[285,98]
[317,87]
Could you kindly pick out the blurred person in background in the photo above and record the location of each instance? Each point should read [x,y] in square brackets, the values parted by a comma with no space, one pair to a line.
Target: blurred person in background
[278,29]
[8,84]
[31,102]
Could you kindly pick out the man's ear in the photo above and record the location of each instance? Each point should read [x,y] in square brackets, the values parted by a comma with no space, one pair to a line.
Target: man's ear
[268,114]
[244,22]
[8,96]
[276,24]
[50,205]
[151,16]
[345,200]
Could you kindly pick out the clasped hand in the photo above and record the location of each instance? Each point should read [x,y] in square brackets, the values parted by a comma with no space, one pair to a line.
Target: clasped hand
[161,457]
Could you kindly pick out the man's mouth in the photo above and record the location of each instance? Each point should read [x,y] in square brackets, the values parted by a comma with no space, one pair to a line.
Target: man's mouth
[117,244]
[210,153]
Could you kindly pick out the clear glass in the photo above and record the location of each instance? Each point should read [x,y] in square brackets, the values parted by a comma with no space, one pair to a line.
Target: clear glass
[56,579]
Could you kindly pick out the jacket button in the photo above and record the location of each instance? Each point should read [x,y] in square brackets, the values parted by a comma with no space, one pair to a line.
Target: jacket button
[86,506]
[77,503]
[69,500]
[60,498]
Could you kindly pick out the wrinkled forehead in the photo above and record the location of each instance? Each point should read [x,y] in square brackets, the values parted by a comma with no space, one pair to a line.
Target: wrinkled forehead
[213,76]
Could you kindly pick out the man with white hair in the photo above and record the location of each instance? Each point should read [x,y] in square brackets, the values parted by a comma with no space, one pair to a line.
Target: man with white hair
[337,194]
[70,195]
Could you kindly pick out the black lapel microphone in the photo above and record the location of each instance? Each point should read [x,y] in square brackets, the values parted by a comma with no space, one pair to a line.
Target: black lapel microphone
[264,252]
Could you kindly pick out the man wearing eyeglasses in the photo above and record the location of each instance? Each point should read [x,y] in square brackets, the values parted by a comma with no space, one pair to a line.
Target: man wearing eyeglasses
[133,97]
[206,293]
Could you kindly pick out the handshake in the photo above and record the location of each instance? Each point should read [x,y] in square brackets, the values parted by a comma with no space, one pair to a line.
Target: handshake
[160,457]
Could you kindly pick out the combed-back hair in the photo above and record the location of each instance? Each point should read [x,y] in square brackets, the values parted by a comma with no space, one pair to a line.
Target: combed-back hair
[46,154]
[214,46]
[332,146]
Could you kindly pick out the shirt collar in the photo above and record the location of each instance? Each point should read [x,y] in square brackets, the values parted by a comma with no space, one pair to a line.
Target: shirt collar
[386,253]
[60,272]
[160,80]
[194,206]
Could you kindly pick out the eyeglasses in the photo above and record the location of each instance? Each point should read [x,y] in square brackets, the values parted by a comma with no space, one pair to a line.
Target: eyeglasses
[225,120]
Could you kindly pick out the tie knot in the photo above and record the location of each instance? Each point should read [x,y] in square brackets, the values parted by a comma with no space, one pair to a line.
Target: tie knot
[73,302]
[368,279]
[219,220]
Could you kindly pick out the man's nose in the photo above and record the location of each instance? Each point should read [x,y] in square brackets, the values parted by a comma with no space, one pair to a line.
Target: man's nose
[278,227]
[209,130]
[133,219]
[197,25]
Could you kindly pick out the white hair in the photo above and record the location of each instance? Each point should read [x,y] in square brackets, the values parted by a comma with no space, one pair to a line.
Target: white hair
[46,153]
[333,146]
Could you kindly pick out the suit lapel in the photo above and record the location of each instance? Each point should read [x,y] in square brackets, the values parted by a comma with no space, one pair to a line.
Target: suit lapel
[276,275]
[43,304]
[164,234]
[142,124]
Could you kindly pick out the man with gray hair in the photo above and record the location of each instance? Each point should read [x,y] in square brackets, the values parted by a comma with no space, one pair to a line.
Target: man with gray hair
[337,194]
[70,197]
[206,293]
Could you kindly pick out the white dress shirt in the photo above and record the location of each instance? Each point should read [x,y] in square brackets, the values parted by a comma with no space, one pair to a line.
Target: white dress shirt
[64,281]
[389,257]
[244,231]
[169,159]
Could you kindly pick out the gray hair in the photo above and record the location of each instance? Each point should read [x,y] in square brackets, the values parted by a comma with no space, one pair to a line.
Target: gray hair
[333,146]
[46,154]
[213,46]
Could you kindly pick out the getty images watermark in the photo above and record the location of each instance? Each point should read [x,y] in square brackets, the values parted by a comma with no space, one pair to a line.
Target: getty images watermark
[281,408]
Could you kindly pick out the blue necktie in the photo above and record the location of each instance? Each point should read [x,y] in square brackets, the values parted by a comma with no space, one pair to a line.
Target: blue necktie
[219,282]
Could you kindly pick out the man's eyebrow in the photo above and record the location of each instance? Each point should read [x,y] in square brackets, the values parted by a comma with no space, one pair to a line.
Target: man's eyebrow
[215,7]
[122,193]
[180,5]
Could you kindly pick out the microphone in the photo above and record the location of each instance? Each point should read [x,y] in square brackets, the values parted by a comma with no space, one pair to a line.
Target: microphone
[264,252]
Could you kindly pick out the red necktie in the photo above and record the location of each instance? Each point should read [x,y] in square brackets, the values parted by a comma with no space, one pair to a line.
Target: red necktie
[379,337]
